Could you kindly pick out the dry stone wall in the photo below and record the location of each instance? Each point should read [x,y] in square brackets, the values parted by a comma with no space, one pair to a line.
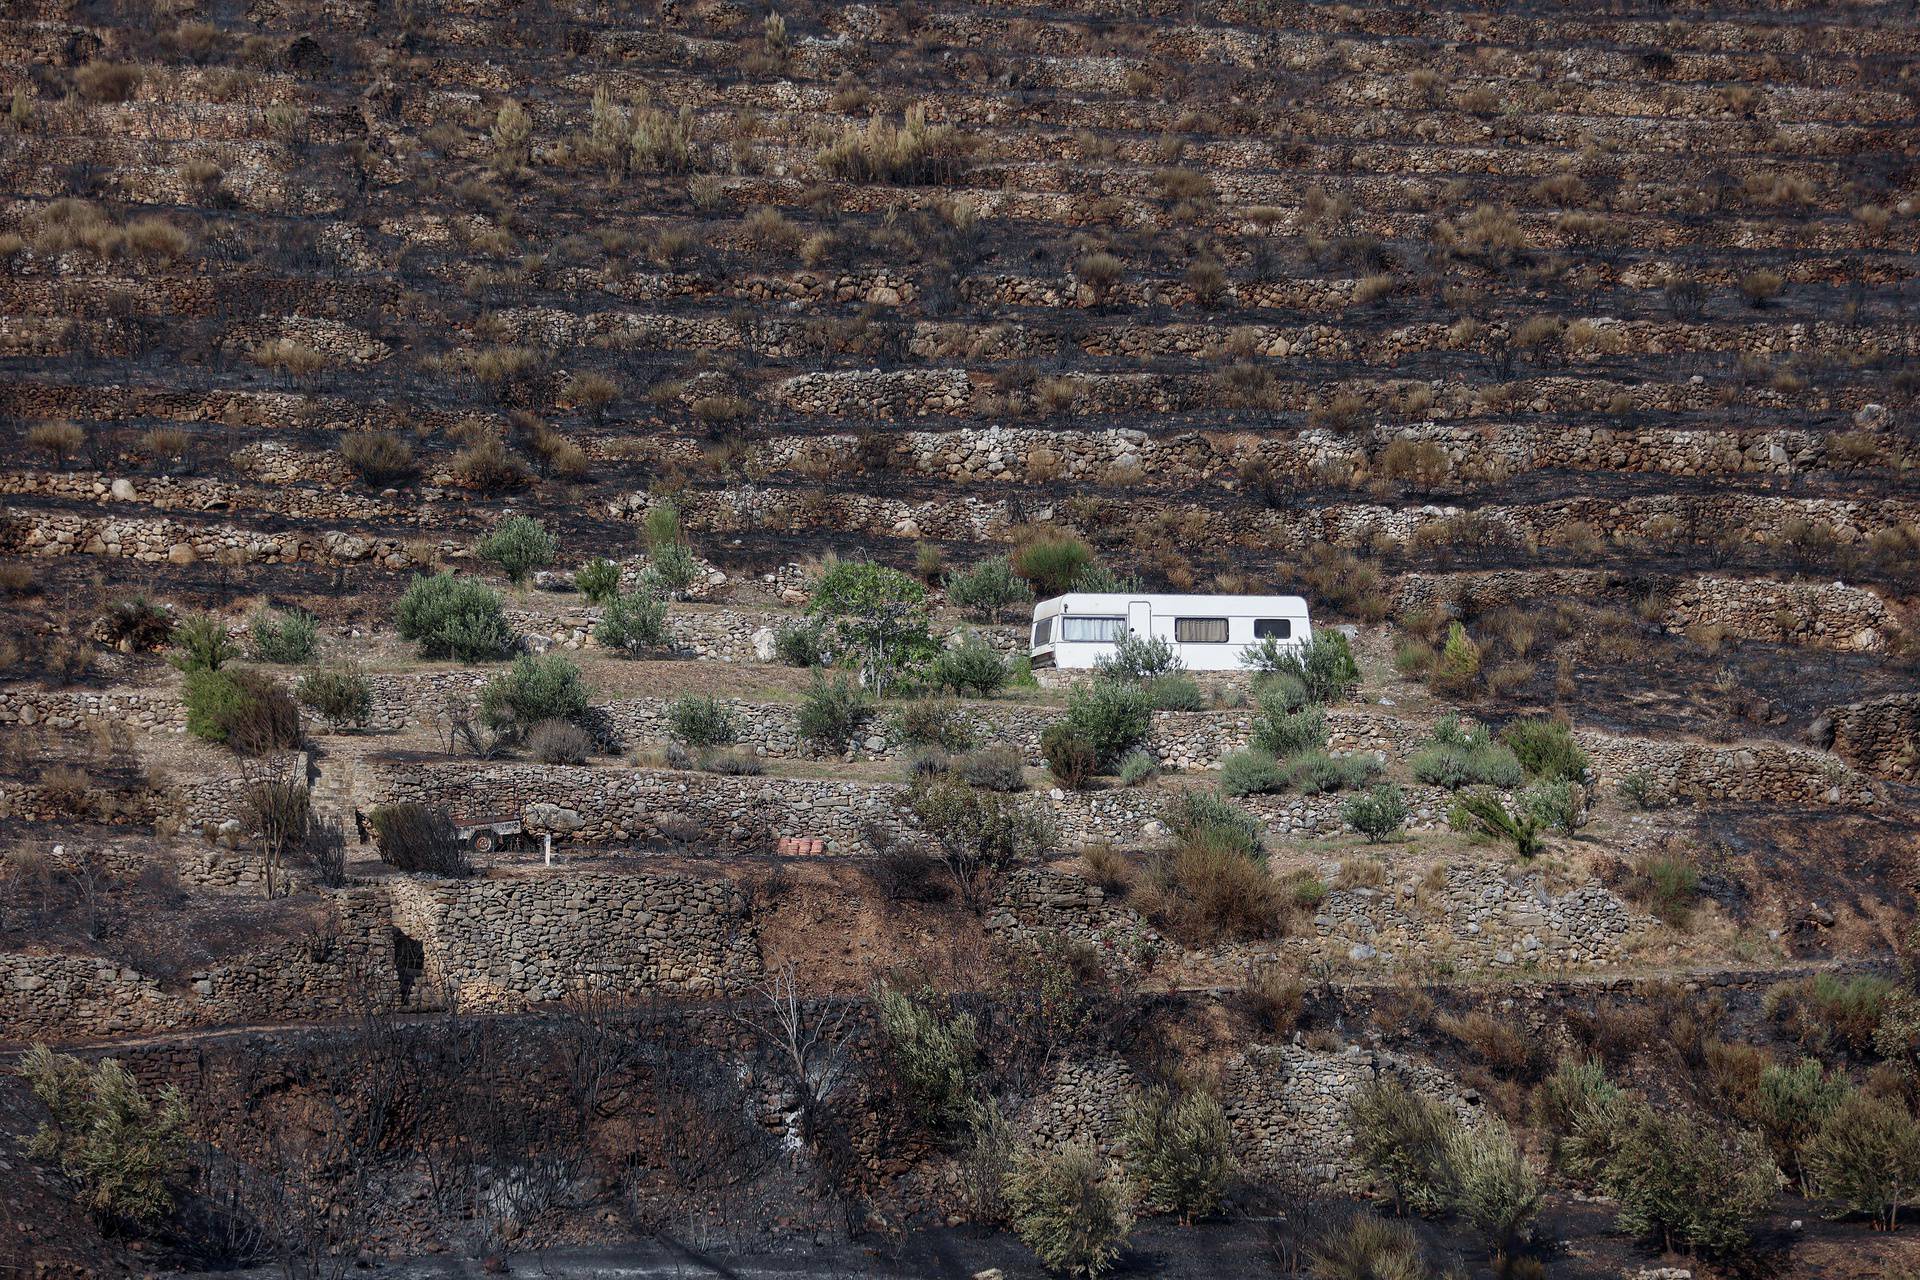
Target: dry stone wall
[1880,737]
[490,944]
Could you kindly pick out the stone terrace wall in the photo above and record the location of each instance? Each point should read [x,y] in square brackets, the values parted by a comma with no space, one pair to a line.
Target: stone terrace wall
[1828,615]
[510,943]
[495,943]
[1482,914]
[1288,1106]
[1881,736]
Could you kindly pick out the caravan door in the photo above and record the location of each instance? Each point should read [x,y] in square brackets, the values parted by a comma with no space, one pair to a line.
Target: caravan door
[1140,618]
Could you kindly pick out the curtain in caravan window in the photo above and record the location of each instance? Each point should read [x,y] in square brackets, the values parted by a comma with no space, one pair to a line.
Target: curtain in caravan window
[1088,630]
[1200,630]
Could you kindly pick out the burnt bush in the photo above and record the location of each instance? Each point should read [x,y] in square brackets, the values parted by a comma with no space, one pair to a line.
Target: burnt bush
[413,837]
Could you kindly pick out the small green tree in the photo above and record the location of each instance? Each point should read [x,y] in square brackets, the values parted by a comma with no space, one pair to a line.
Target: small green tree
[1546,749]
[286,638]
[1180,1149]
[633,622]
[125,1152]
[1068,1209]
[702,721]
[454,617]
[519,545]
[535,688]
[832,712]
[598,580]
[988,588]
[1492,1185]
[1288,733]
[341,696]
[1324,665]
[202,643]
[1866,1158]
[1791,1105]
[971,666]
[878,615]
[1376,813]
[933,1054]
[1459,662]
[1139,658]
[1112,716]
[1403,1140]
[1686,1183]
[977,834]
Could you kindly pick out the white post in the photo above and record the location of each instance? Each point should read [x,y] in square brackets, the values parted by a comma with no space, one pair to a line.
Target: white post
[546,846]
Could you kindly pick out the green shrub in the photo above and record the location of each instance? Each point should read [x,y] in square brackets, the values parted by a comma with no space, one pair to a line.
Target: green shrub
[633,622]
[661,525]
[518,545]
[700,721]
[1481,813]
[1070,755]
[125,1152]
[1458,665]
[1790,1106]
[978,833]
[833,712]
[934,722]
[413,837]
[287,638]
[1866,1158]
[1546,750]
[243,709]
[997,767]
[1456,757]
[1324,666]
[454,617]
[1686,1184]
[201,643]
[1555,804]
[799,644]
[1403,1139]
[1280,694]
[1285,733]
[933,1054]
[1050,563]
[1138,767]
[1180,1149]
[340,695]
[1138,658]
[1066,1207]
[1251,772]
[1113,717]
[1576,1087]
[1377,813]
[673,565]
[1204,817]
[1491,1185]
[970,666]
[598,580]
[1175,693]
[535,688]
[1637,791]
[1314,773]
[988,588]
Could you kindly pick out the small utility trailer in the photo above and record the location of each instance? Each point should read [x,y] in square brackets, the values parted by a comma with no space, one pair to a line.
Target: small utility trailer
[484,835]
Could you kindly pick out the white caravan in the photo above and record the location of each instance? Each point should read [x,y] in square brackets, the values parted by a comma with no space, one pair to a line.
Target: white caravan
[1208,632]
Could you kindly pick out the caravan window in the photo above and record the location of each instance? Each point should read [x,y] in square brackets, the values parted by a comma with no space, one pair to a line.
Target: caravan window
[1042,632]
[1273,628]
[1200,630]
[1088,630]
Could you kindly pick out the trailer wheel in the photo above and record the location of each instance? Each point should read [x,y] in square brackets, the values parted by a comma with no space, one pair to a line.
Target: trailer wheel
[483,842]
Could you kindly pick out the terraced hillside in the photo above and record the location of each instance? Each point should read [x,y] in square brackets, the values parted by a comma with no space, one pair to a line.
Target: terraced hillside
[1562,356]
